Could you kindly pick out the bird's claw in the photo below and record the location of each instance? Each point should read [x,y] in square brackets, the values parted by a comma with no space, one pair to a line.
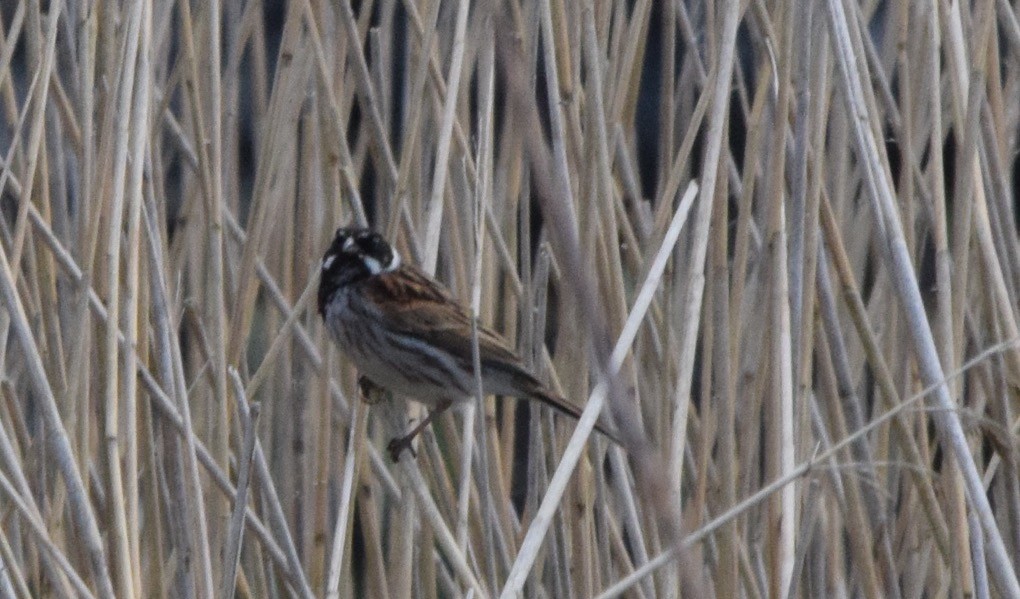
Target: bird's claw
[398,445]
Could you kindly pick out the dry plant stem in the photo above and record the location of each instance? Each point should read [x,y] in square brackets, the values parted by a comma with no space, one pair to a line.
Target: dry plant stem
[808,529]
[809,78]
[9,39]
[134,290]
[416,106]
[235,532]
[9,456]
[561,169]
[997,168]
[629,513]
[802,469]
[604,169]
[276,147]
[38,529]
[467,457]
[880,192]
[696,265]
[399,558]
[81,511]
[12,571]
[813,111]
[277,518]
[484,160]
[434,208]
[209,167]
[946,286]
[854,504]
[341,534]
[608,261]
[265,368]
[346,167]
[554,187]
[376,581]
[744,239]
[965,118]
[1000,270]
[173,377]
[803,34]
[572,454]
[977,549]
[848,413]
[369,101]
[20,486]
[723,391]
[779,416]
[1009,23]
[7,177]
[179,420]
[213,193]
[327,438]
[904,436]
[36,135]
[131,120]
[447,542]
[701,78]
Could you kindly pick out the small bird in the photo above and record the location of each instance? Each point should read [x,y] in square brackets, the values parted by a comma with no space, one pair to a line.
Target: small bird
[406,333]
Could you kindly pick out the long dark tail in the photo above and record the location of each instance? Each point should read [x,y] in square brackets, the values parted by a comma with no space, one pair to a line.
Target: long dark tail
[561,405]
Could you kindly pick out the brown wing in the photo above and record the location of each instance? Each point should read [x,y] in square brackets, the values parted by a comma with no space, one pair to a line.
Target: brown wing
[416,304]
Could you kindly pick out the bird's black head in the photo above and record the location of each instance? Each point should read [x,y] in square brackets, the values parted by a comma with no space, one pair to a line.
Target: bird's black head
[355,255]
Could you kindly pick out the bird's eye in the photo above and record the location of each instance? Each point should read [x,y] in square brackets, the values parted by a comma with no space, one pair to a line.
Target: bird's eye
[377,254]
[373,245]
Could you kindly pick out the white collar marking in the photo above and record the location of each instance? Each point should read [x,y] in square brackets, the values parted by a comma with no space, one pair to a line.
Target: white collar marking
[328,261]
[372,264]
[375,267]
[394,262]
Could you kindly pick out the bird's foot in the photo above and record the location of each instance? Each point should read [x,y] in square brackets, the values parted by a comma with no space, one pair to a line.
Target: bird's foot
[398,444]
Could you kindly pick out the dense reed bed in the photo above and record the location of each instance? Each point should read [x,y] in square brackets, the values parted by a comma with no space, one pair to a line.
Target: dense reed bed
[774,241]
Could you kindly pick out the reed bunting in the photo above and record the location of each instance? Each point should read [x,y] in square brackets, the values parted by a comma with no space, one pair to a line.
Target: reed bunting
[405,332]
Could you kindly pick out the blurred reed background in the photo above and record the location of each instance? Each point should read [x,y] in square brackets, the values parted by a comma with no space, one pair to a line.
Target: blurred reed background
[826,367]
